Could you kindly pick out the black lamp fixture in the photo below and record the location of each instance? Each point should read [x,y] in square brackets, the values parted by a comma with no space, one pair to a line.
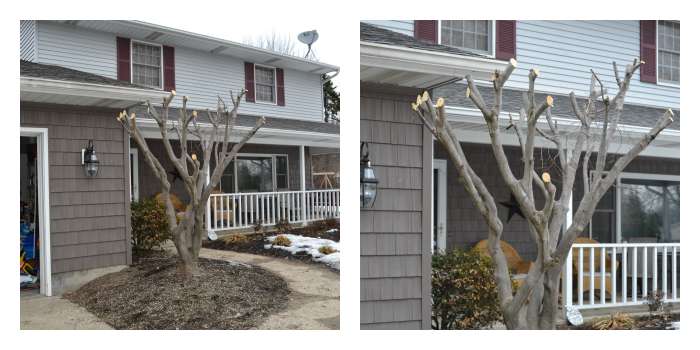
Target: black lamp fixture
[90,163]
[368,181]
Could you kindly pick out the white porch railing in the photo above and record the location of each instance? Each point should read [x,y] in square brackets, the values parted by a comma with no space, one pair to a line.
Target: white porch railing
[230,211]
[621,274]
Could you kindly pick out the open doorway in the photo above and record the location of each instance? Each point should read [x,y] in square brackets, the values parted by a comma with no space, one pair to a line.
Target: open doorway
[34,227]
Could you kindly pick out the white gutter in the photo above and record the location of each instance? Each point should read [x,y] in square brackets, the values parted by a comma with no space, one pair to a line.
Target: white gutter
[93,90]
[426,61]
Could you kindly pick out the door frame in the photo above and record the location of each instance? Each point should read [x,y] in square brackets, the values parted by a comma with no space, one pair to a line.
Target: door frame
[441,166]
[42,140]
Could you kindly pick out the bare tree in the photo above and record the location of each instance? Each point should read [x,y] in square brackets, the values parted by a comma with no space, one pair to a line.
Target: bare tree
[276,42]
[215,138]
[534,304]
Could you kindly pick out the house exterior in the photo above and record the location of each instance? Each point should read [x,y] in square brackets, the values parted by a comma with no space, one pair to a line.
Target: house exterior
[636,225]
[76,76]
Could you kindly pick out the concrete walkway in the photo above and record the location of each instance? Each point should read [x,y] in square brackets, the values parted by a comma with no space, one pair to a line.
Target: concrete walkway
[314,302]
[41,312]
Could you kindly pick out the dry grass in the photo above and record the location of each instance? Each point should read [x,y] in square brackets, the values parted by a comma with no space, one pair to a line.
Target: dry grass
[325,250]
[281,241]
[615,322]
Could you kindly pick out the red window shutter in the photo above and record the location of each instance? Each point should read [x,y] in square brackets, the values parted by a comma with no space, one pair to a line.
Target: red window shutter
[279,74]
[505,40]
[425,30]
[250,82]
[647,51]
[124,59]
[168,68]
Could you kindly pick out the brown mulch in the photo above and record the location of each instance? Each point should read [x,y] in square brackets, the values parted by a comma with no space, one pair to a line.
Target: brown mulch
[254,243]
[655,322]
[151,295]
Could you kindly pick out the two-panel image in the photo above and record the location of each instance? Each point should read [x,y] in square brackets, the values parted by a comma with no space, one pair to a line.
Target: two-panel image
[514,174]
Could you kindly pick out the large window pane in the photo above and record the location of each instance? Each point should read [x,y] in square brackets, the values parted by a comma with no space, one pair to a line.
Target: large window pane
[281,172]
[254,174]
[650,211]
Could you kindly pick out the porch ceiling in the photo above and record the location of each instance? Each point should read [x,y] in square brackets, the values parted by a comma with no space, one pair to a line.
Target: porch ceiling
[469,126]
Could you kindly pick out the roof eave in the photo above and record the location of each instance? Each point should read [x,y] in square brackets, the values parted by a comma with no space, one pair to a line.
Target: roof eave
[434,63]
[36,89]
[315,67]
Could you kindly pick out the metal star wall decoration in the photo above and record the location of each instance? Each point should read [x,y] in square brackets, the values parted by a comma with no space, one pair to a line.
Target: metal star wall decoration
[513,207]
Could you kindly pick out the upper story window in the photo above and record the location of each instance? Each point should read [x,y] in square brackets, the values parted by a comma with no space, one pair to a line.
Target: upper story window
[468,35]
[669,47]
[264,84]
[146,64]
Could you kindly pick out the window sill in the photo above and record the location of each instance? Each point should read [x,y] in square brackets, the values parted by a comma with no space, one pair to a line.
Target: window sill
[668,84]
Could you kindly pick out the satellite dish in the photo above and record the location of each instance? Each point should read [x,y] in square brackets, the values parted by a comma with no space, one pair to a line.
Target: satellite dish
[308,38]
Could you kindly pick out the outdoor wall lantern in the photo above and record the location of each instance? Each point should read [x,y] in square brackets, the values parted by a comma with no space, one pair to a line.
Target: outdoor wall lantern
[368,181]
[90,163]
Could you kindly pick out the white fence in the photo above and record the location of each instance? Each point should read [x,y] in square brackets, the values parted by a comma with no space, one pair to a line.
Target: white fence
[229,211]
[621,274]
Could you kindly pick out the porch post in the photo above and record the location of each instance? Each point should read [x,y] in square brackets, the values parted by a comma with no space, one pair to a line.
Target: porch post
[302,181]
[567,275]
[208,214]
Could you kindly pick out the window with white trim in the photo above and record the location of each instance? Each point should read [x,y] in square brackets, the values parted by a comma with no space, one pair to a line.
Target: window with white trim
[468,35]
[264,84]
[669,47]
[256,173]
[650,210]
[146,64]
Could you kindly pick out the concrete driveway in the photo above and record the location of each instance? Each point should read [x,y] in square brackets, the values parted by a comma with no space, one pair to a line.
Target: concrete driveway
[40,312]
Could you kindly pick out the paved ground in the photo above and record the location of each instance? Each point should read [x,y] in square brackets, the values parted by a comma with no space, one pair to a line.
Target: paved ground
[315,299]
[313,304]
[40,312]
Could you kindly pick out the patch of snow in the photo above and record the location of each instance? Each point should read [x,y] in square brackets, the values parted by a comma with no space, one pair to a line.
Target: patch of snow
[333,230]
[676,325]
[310,245]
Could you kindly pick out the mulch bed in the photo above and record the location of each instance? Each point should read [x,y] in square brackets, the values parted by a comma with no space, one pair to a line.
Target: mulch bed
[254,243]
[151,295]
[656,322]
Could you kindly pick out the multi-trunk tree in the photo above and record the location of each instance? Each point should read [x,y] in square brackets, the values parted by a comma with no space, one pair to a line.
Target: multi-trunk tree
[535,303]
[213,138]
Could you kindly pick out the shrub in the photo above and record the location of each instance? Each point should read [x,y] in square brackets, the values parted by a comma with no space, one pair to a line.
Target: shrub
[149,224]
[283,226]
[655,302]
[464,291]
[325,250]
[281,241]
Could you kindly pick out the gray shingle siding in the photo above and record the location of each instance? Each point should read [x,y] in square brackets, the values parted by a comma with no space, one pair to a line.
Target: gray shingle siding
[90,220]
[395,258]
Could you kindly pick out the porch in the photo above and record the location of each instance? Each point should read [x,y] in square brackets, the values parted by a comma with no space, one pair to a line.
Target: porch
[233,211]
[615,275]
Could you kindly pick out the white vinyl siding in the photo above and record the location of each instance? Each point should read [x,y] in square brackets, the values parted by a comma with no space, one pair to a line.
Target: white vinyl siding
[27,40]
[565,51]
[203,76]
[71,47]
[200,75]
[403,27]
